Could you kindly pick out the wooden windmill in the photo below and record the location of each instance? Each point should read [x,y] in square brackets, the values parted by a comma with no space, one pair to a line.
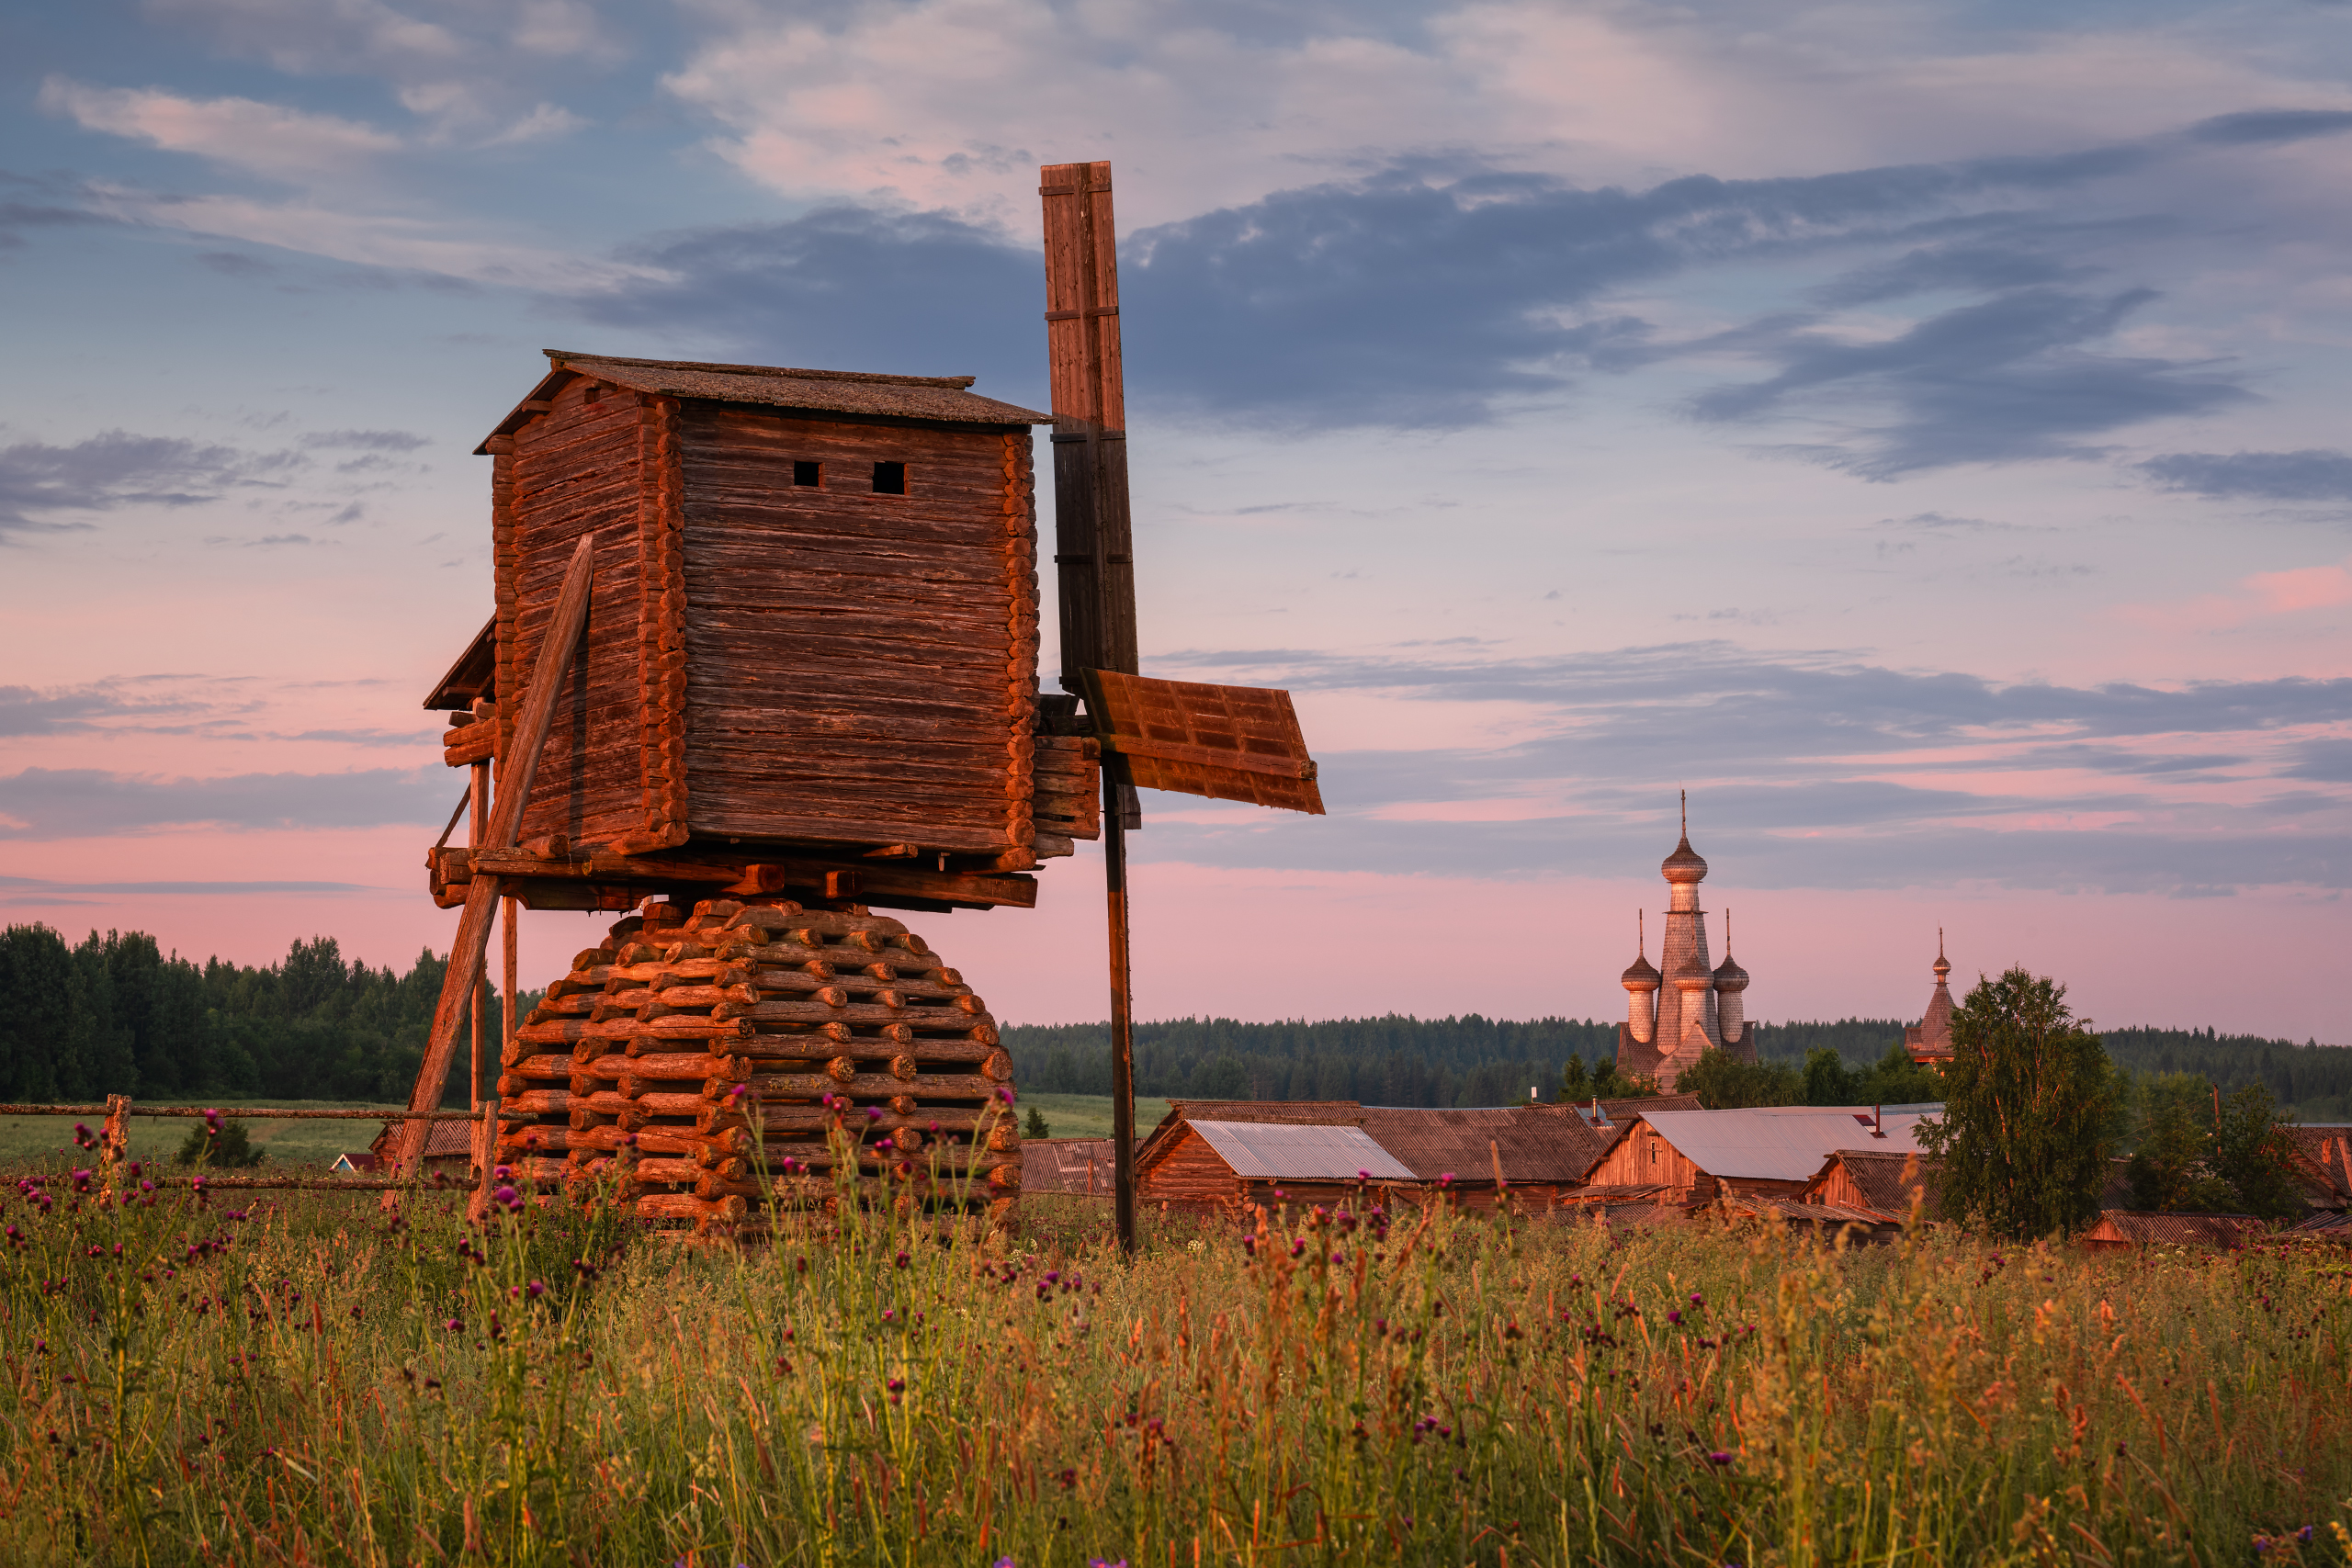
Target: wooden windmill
[764,660]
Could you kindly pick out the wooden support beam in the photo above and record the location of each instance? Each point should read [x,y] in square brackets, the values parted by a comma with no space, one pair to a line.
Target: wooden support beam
[472,943]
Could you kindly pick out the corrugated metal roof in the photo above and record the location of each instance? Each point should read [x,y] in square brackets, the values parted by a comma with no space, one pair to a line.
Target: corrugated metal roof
[1277,1151]
[1778,1143]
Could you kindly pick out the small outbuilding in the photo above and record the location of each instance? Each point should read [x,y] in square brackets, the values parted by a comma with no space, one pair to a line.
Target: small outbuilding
[449,1148]
[1201,1165]
[1073,1168]
[1880,1183]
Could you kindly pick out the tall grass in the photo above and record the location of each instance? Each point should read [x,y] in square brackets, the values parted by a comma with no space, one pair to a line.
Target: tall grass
[314,1384]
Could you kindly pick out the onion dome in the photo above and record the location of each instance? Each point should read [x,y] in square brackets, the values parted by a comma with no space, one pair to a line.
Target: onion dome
[1641,976]
[1943,965]
[1690,974]
[1684,864]
[1730,977]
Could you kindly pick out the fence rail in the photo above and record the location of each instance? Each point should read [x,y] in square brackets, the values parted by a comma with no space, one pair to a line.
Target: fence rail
[239,1112]
[113,1144]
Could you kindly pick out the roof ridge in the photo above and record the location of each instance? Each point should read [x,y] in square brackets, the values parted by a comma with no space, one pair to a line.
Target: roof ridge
[957,383]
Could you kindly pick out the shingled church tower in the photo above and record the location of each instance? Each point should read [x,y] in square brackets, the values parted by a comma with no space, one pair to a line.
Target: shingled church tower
[1674,1016]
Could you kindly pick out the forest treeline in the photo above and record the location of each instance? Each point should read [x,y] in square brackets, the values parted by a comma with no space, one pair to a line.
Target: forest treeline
[1470,1060]
[115,1014]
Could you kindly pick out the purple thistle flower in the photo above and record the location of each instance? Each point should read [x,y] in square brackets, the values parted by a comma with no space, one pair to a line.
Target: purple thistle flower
[1719,1457]
[873,1113]
[1446,1180]
[1674,1317]
[536,1287]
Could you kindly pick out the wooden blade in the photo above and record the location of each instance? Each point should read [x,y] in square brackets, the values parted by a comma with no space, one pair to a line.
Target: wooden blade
[1224,742]
[1093,533]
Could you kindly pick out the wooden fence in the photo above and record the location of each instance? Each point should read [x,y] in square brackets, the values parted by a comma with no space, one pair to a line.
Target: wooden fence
[114,1142]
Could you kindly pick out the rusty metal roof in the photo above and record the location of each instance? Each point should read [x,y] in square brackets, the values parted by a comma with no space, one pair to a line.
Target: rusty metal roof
[1280,1151]
[933,399]
[1534,1142]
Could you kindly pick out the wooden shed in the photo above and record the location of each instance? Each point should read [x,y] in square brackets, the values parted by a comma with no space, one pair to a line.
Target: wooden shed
[1540,1152]
[810,657]
[1881,1182]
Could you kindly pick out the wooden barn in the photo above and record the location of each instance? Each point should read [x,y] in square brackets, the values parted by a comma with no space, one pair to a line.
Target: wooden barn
[1767,1151]
[1540,1152]
[1195,1161]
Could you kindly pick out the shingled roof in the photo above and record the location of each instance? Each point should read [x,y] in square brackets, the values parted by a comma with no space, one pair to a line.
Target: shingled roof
[933,399]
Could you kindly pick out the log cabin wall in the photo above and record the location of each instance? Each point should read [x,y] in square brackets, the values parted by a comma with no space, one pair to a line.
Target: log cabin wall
[582,465]
[1640,1157]
[860,666]
[1189,1176]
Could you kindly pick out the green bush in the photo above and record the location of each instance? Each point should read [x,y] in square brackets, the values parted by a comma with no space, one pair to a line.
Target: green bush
[232,1149]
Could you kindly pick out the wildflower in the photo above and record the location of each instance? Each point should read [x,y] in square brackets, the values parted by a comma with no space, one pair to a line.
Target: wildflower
[1005,1095]
[454,1326]
[1363,1176]
[1003,1563]
[1069,1478]
[1719,1457]
[537,1289]
[502,1173]
[896,1388]
[1298,1248]
[873,1113]
[1446,1180]
[740,1091]
[1697,1300]
[507,1198]
[1674,1317]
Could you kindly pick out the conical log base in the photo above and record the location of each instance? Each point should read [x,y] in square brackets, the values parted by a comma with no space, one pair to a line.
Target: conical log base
[699,1066]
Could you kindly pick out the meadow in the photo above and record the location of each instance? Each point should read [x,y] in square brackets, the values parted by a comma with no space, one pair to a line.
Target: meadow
[195,1379]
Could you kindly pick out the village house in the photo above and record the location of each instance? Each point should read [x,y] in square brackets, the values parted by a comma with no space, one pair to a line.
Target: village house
[448,1149]
[1696,1157]
[1204,1156]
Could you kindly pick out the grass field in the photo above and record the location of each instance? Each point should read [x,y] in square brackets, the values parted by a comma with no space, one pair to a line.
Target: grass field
[311,1381]
[1088,1115]
[156,1137]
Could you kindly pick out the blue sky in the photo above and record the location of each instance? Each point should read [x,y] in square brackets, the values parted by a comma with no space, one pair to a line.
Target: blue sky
[1919,430]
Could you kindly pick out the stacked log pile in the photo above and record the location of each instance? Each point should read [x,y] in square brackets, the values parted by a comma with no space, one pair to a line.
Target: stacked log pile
[713,1067]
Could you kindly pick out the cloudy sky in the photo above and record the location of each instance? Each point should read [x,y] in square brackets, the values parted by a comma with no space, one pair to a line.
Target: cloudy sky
[1917,429]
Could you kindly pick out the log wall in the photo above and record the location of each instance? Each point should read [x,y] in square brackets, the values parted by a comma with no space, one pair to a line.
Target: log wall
[1641,1156]
[860,668]
[582,465]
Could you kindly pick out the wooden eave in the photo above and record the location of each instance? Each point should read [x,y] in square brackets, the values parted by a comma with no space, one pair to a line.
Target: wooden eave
[475,674]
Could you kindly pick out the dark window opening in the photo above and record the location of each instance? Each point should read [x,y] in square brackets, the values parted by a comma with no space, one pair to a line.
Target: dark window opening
[890,478]
[592,394]
[807,473]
